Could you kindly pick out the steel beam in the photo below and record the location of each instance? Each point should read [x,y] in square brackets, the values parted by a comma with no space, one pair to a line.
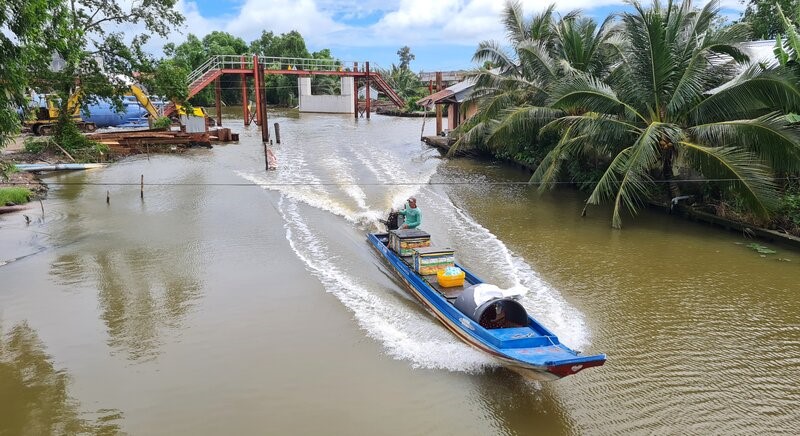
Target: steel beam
[257,87]
[367,93]
[218,98]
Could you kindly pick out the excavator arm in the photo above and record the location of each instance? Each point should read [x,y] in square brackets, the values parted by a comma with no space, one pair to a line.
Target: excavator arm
[144,100]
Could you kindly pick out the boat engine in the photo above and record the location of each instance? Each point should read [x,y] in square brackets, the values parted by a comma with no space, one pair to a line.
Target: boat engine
[391,222]
[486,305]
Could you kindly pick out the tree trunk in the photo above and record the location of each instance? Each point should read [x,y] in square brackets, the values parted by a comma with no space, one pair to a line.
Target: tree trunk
[667,157]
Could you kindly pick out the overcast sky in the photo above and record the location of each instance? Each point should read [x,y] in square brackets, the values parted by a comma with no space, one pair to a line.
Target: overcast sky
[442,34]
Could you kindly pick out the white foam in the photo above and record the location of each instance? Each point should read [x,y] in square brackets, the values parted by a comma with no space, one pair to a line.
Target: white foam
[539,298]
[407,335]
[404,333]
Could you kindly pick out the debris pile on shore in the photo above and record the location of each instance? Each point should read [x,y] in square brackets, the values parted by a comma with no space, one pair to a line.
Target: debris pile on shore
[144,141]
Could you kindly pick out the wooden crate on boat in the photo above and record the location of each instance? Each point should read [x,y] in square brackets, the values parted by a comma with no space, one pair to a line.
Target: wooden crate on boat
[430,260]
[404,241]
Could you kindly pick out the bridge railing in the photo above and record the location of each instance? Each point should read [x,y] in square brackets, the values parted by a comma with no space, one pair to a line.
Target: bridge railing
[275,63]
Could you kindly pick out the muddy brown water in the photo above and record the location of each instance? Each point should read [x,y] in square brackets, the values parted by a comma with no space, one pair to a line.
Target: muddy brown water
[234,301]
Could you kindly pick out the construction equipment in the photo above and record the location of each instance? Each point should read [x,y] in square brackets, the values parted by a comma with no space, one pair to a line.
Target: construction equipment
[144,100]
[45,114]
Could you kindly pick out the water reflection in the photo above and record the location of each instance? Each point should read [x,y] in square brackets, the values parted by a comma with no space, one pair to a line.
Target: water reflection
[513,404]
[41,401]
[142,257]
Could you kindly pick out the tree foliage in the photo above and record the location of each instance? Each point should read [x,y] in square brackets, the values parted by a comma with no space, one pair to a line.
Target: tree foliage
[93,58]
[763,17]
[405,57]
[192,53]
[661,91]
[26,26]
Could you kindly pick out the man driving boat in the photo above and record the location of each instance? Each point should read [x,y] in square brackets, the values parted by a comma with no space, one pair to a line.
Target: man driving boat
[412,214]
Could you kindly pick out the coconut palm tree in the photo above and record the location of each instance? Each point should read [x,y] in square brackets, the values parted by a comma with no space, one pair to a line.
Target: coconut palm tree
[513,92]
[676,101]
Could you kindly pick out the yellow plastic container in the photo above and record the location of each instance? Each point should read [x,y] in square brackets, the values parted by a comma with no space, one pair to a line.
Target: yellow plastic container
[449,281]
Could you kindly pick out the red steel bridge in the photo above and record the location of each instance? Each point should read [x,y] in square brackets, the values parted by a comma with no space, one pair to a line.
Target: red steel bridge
[247,66]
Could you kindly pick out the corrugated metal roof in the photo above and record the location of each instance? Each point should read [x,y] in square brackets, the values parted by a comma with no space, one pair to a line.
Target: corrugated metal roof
[453,94]
[434,98]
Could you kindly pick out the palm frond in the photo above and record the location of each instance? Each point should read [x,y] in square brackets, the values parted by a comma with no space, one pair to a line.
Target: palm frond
[547,171]
[738,169]
[475,136]
[770,137]
[541,25]
[537,61]
[653,66]
[605,133]
[492,51]
[520,121]
[514,21]
[757,91]
[588,94]
[627,179]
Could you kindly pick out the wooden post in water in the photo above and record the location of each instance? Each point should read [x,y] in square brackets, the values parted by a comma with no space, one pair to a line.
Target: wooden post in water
[367,93]
[355,89]
[277,133]
[141,188]
[266,157]
[108,198]
[438,106]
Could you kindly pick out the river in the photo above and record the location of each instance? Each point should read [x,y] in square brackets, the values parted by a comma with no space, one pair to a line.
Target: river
[235,301]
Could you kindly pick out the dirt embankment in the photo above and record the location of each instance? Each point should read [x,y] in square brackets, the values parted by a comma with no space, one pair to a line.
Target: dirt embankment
[14,153]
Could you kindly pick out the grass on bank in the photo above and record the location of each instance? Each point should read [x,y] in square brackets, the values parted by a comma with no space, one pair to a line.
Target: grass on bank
[15,195]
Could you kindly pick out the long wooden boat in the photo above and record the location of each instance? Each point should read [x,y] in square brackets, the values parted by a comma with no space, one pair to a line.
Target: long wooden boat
[526,346]
[58,167]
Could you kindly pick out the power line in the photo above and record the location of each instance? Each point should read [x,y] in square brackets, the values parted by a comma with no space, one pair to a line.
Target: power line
[323,184]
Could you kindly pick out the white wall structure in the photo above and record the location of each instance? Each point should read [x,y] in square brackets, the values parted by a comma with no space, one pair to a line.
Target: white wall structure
[331,104]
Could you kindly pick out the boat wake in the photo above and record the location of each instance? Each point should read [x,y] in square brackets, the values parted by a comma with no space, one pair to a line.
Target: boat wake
[361,196]
[406,335]
[512,272]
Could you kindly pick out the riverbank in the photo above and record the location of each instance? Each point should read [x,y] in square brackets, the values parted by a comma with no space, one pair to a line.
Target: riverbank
[698,212]
[14,153]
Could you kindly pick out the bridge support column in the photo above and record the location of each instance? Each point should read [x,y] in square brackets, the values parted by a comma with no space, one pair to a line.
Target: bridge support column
[367,93]
[355,89]
[245,109]
[218,98]
[438,106]
[257,88]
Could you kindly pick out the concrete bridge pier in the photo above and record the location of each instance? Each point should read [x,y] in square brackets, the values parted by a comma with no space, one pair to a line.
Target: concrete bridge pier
[332,104]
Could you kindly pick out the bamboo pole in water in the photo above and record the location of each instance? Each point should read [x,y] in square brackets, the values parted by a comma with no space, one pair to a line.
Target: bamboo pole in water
[277,133]
[141,188]
[424,117]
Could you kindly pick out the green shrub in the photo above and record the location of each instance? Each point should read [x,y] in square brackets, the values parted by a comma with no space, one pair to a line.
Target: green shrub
[6,168]
[70,138]
[37,145]
[162,123]
[791,205]
[14,195]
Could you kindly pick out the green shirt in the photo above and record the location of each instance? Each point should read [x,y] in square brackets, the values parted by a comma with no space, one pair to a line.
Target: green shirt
[413,216]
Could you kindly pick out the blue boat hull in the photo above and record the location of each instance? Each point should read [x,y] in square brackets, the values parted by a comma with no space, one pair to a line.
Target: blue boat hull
[531,350]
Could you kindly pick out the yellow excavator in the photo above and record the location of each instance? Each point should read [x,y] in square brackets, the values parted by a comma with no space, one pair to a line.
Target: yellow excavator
[45,116]
[142,98]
